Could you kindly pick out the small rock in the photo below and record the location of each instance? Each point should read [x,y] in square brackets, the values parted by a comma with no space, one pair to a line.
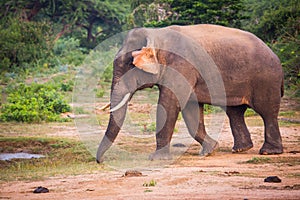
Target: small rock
[41,190]
[131,173]
[273,179]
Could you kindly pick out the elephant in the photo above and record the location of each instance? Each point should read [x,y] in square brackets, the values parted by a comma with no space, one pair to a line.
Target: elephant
[195,65]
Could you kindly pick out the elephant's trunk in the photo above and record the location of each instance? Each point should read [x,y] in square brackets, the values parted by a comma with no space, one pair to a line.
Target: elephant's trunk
[117,116]
[126,80]
[119,98]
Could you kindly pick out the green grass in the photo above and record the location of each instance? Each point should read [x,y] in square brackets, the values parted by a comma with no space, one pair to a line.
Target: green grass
[289,161]
[289,114]
[258,160]
[151,183]
[63,157]
[250,112]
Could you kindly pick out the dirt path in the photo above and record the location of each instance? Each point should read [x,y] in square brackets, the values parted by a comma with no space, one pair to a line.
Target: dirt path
[221,176]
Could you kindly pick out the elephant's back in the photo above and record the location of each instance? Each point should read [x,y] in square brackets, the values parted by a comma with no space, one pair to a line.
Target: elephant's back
[208,30]
[232,49]
[244,61]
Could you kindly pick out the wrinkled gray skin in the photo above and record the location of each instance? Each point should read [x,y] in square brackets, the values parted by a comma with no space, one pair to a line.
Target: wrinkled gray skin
[251,76]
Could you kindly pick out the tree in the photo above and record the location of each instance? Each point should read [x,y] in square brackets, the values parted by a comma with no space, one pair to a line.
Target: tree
[270,19]
[102,19]
[277,23]
[222,12]
[99,18]
[23,44]
[184,12]
[29,28]
[149,13]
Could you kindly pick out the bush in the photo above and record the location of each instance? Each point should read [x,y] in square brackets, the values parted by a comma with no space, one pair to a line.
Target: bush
[34,103]
[23,44]
[107,74]
[68,51]
[288,50]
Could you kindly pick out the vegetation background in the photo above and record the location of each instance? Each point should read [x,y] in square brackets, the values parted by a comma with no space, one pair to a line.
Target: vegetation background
[43,41]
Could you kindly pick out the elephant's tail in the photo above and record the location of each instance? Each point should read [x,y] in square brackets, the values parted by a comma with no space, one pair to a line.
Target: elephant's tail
[282,87]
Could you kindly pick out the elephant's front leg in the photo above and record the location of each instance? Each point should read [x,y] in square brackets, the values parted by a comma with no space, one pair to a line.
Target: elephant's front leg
[166,116]
[194,119]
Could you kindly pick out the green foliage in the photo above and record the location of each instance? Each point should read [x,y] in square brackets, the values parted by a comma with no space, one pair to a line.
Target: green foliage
[28,29]
[271,19]
[161,13]
[23,44]
[68,51]
[258,160]
[250,112]
[100,92]
[33,103]
[149,13]
[67,86]
[149,127]
[288,50]
[97,18]
[107,74]
[222,12]
[151,183]
[95,21]
[209,109]
[277,23]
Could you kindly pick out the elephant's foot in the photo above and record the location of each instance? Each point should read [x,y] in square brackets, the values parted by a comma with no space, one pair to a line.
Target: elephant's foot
[161,154]
[209,148]
[268,149]
[241,148]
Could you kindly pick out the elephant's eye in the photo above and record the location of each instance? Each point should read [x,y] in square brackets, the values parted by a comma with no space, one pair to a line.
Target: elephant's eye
[150,55]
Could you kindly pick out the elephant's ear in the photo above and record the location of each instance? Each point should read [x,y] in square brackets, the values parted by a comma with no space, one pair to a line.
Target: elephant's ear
[146,60]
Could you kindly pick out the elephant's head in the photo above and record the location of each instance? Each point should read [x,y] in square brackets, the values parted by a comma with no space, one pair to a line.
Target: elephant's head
[135,67]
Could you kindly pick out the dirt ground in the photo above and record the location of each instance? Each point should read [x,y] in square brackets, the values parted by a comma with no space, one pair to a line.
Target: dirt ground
[221,176]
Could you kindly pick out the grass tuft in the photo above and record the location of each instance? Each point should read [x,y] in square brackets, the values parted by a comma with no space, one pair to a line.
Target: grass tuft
[259,160]
[151,183]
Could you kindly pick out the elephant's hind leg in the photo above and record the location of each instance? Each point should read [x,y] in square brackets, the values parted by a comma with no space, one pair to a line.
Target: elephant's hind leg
[241,135]
[273,141]
[193,117]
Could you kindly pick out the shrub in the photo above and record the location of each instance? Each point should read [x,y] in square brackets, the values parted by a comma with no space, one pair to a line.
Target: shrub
[151,183]
[68,51]
[107,74]
[33,103]
[209,109]
[288,50]
[67,86]
[23,44]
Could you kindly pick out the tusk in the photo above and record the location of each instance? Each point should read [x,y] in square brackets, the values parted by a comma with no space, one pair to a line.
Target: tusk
[124,100]
[104,107]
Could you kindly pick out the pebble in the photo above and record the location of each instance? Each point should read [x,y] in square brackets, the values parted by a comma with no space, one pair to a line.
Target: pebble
[41,189]
[273,179]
